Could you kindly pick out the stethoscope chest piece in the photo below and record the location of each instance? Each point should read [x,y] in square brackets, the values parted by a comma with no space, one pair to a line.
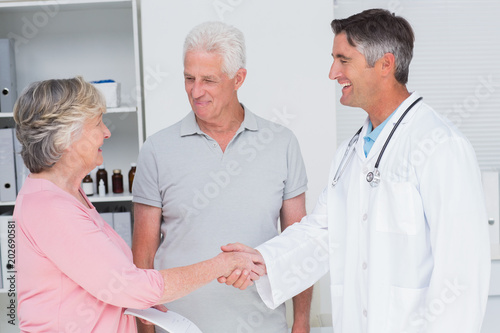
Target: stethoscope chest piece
[373,178]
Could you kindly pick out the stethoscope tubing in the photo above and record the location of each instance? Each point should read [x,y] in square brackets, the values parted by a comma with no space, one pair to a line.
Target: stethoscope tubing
[372,177]
[394,130]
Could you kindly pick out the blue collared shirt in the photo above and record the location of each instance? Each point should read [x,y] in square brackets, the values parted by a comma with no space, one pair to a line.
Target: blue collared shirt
[374,133]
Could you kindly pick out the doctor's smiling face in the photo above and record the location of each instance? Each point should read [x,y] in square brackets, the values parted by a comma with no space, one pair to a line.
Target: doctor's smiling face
[359,81]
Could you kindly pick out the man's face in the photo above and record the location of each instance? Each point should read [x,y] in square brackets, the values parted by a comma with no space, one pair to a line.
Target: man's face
[209,90]
[359,81]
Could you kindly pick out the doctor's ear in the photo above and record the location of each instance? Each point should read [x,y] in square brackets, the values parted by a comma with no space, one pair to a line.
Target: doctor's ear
[388,64]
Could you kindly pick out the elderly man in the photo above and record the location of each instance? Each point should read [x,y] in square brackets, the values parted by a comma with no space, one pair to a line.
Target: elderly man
[406,241]
[222,174]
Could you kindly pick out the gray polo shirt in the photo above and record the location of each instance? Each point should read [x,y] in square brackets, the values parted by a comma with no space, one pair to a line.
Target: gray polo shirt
[211,198]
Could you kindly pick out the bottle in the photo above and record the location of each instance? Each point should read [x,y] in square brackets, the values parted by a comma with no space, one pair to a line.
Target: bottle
[100,189]
[117,180]
[88,185]
[131,175]
[102,174]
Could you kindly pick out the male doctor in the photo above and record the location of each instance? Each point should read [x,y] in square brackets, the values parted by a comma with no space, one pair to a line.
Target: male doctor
[401,223]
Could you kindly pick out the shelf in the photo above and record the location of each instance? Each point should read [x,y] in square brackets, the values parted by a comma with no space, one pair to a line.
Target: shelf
[18,6]
[111,197]
[94,198]
[121,109]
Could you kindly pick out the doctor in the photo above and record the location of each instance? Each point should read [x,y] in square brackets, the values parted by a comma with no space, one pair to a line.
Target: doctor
[401,224]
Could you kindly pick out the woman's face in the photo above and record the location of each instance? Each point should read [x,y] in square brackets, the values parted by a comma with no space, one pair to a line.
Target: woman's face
[86,152]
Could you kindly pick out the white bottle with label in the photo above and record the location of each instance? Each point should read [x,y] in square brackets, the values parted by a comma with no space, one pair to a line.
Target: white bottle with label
[88,185]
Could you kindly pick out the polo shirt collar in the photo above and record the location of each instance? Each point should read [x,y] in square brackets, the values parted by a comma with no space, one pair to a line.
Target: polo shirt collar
[189,126]
[373,134]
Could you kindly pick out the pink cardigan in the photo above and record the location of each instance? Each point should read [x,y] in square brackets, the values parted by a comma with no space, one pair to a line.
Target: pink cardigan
[74,272]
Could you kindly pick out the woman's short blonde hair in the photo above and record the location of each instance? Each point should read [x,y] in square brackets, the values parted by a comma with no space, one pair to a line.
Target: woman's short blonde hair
[49,117]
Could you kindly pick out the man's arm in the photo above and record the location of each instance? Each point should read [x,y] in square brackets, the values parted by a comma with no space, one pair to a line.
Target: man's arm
[146,239]
[146,236]
[293,210]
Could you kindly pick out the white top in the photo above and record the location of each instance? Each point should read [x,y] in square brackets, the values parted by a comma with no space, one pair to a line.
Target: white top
[411,255]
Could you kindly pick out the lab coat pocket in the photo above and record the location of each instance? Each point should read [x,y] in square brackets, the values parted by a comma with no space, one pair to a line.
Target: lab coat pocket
[337,293]
[396,208]
[405,307]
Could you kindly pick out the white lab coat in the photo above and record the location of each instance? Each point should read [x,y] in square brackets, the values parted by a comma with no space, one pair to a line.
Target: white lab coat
[411,255]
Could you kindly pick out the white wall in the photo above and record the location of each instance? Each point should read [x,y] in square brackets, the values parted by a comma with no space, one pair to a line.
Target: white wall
[288,59]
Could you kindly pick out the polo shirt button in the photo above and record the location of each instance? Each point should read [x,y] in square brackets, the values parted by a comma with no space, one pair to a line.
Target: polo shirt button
[365,313]
[364,265]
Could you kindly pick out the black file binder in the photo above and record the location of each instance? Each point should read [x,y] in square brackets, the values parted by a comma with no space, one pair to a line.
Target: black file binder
[8,85]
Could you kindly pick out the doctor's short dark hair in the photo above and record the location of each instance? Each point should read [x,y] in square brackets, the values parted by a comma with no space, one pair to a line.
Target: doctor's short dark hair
[375,32]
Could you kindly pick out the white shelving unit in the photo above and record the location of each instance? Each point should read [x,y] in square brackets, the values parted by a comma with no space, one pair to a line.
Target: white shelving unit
[96,39]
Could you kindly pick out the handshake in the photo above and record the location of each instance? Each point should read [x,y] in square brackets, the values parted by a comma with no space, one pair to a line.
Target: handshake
[244,263]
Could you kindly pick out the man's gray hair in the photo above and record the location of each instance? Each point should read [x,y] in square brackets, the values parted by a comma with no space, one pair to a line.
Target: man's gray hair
[219,38]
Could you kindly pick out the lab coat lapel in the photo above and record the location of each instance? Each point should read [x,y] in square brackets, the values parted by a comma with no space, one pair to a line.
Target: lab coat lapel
[382,138]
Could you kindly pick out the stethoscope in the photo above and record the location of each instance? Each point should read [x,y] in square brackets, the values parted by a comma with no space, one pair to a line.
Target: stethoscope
[373,177]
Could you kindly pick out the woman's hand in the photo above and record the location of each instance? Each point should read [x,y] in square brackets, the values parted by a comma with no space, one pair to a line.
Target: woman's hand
[160,307]
[248,266]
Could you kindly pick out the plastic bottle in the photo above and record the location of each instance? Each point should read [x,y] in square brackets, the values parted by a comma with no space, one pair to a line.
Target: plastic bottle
[117,180]
[88,185]
[102,174]
[101,189]
[131,175]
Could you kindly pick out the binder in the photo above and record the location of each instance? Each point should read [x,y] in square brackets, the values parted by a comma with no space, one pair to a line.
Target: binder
[8,82]
[7,165]
[7,268]
[3,251]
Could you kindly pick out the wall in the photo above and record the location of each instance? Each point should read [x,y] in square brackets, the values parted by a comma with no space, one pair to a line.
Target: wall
[289,56]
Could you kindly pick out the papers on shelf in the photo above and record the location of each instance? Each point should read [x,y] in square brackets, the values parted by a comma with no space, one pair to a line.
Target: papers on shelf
[170,321]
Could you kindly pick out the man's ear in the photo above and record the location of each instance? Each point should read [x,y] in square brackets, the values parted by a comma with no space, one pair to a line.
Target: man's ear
[240,76]
[388,64]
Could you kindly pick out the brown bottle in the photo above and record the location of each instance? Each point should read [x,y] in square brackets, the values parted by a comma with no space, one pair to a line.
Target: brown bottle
[117,180]
[101,173]
[131,175]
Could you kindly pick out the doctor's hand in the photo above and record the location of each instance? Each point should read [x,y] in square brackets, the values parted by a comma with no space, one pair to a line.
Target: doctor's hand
[243,278]
[242,268]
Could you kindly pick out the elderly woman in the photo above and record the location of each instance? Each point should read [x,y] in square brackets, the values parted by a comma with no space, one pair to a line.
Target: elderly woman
[75,274]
